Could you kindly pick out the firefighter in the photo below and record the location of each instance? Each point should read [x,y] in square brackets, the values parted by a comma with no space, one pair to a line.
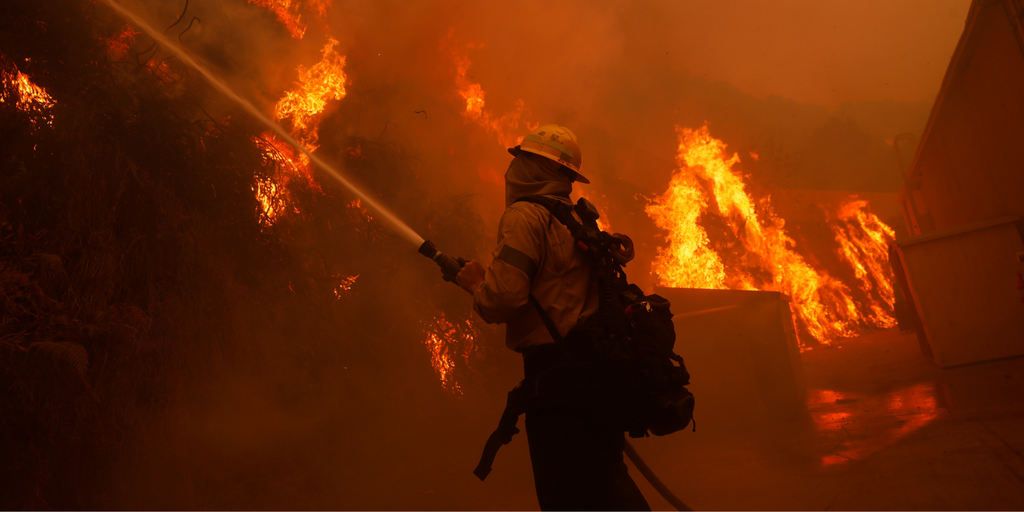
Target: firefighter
[577,458]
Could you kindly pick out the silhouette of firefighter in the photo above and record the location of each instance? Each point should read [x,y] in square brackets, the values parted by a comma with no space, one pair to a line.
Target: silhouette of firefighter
[556,282]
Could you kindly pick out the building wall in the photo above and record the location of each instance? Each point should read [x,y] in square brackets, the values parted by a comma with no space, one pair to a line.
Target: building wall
[970,164]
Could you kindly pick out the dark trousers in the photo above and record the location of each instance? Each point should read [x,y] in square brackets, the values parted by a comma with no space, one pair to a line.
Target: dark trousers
[577,460]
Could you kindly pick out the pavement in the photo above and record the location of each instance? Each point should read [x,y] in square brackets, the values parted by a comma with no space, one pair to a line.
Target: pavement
[885,429]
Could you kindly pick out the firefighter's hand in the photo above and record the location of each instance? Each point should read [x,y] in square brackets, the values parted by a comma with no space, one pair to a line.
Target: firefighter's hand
[471,276]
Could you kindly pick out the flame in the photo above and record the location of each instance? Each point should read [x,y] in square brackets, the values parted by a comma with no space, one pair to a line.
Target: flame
[272,192]
[444,340]
[293,163]
[506,127]
[271,199]
[30,95]
[32,98]
[286,12]
[864,245]
[304,105]
[707,189]
[688,261]
[118,45]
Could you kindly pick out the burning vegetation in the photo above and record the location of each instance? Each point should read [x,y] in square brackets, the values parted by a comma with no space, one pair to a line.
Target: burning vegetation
[449,342]
[26,96]
[145,246]
[153,240]
[302,108]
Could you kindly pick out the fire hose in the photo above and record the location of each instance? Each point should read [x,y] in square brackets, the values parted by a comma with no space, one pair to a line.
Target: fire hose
[653,479]
[450,268]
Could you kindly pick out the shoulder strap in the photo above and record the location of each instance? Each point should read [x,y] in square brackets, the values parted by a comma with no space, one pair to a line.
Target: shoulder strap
[563,213]
[560,211]
[550,324]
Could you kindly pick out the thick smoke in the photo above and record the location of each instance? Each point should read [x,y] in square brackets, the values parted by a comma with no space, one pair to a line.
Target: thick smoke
[817,90]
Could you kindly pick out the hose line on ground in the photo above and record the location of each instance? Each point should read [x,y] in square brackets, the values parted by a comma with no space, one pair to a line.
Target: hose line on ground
[652,478]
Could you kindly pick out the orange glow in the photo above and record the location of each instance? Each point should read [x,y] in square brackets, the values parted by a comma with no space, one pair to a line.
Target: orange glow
[320,6]
[444,341]
[117,46]
[286,12]
[869,424]
[318,85]
[864,245]
[506,127]
[763,256]
[162,70]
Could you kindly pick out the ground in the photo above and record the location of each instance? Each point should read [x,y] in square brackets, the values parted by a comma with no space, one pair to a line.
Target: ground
[886,429]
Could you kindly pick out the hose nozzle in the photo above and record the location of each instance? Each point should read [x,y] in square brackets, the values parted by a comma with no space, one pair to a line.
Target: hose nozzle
[450,267]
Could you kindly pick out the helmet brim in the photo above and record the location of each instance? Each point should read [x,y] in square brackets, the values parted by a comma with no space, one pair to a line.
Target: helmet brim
[516,151]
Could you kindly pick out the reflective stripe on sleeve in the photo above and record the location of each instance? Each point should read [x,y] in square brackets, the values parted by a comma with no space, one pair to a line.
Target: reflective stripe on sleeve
[518,259]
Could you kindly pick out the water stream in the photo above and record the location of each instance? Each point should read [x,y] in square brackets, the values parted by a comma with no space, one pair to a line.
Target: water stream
[395,223]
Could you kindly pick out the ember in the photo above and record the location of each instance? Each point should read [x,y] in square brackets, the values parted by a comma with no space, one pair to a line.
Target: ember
[448,341]
[344,284]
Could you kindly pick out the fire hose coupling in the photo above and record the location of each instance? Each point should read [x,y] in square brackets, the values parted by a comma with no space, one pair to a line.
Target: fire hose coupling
[622,248]
[450,267]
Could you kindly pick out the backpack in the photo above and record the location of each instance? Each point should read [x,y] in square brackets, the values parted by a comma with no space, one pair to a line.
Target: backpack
[642,381]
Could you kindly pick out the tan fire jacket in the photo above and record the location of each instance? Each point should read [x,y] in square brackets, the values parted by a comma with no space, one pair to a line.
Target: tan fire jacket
[535,254]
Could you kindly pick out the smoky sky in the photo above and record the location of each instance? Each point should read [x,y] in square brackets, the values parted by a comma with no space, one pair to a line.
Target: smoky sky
[818,89]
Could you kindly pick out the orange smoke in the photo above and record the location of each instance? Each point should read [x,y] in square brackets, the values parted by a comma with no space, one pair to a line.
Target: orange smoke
[320,7]
[448,342]
[506,127]
[762,256]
